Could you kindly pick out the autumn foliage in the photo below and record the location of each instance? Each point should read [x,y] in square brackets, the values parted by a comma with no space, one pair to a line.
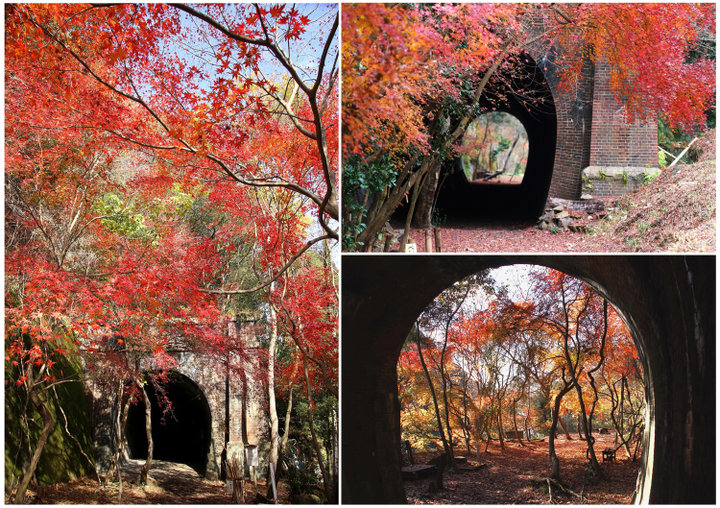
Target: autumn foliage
[162,163]
[548,355]
[416,75]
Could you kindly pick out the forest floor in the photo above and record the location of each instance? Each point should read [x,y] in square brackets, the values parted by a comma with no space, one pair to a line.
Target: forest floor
[674,213]
[509,477]
[169,483]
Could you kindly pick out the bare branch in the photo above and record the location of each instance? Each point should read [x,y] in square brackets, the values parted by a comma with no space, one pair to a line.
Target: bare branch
[270,280]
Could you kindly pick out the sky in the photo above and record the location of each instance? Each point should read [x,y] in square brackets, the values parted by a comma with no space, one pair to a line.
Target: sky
[515,277]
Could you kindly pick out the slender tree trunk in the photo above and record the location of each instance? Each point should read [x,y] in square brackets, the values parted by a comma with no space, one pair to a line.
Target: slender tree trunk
[286,429]
[517,431]
[554,460]
[487,433]
[148,432]
[411,212]
[316,444]
[512,148]
[527,430]
[622,404]
[121,417]
[588,433]
[446,448]
[587,420]
[48,423]
[451,456]
[564,429]
[333,450]
[465,419]
[500,426]
[274,422]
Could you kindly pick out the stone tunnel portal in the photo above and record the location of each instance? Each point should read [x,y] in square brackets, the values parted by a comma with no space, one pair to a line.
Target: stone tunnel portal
[530,100]
[180,435]
[667,303]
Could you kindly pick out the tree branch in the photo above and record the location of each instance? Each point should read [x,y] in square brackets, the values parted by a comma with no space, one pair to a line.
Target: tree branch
[269,281]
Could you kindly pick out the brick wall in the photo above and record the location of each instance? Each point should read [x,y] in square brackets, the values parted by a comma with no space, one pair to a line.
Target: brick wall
[592,127]
[615,140]
[574,120]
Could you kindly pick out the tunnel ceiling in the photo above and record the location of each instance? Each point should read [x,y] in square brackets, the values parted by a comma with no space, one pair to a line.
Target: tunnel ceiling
[180,435]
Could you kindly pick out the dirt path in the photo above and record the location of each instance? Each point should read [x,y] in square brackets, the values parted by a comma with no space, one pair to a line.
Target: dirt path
[507,477]
[169,483]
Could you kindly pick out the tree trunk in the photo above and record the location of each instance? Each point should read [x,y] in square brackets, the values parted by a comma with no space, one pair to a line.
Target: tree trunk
[148,433]
[274,422]
[286,429]
[554,461]
[487,432]
[507,159]
[517,432]
[578,424]
[465,419]
[622,404]
[424,209]
[564,429]
[594,466]
[48,423]
[446,448]
[121,417]
[499,427]
[411,212]
[316,445]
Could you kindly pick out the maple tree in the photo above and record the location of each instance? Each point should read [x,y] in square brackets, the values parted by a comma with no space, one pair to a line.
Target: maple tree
[163,164]
[415,76]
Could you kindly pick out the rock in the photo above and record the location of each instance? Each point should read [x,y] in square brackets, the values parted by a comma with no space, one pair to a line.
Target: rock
[562,215]
[565,222]
[586,204]
[547,215]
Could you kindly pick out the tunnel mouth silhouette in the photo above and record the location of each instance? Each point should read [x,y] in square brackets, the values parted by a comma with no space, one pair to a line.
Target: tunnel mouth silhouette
[646,437]
[667,302]
[520,90]
[181,434]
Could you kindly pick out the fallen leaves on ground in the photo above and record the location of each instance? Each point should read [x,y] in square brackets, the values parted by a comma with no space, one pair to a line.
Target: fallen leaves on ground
[169,483]
[510,476]
[673,213]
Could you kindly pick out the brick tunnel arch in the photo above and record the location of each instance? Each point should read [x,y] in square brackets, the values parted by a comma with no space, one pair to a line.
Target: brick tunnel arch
[183,435]
[523,82]
[668,303]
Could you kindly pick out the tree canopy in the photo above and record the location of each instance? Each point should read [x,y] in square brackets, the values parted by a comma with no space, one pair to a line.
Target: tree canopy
[415,74]
[164,164]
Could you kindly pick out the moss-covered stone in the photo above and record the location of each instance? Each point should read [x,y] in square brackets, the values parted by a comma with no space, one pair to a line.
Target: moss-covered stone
[61,459]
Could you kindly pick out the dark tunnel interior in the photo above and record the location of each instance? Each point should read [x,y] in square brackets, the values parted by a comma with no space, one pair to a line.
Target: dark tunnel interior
[180,435]
[522,91]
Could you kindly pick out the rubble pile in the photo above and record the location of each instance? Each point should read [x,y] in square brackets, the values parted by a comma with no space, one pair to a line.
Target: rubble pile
[569,215]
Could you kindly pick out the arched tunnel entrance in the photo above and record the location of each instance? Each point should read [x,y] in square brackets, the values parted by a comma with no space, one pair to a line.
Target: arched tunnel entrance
[668,304]
[521,91]
[179,435]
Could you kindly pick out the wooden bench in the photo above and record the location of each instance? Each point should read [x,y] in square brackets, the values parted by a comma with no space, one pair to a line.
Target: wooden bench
[417,472]
[608,455]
